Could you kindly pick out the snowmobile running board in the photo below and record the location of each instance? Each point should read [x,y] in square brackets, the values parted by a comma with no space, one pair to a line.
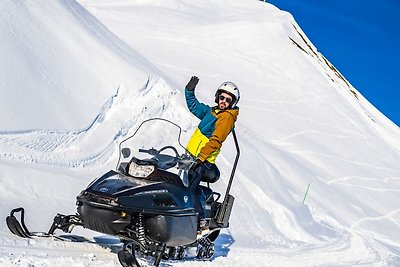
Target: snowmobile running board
[63,222]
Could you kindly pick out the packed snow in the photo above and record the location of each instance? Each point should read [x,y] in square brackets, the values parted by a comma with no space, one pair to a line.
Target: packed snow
[76,78]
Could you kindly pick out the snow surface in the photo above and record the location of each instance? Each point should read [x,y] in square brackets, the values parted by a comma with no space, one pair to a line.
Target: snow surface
[78,77]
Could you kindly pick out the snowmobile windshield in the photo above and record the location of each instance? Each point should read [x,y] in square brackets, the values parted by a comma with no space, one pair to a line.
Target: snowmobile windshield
[156,141]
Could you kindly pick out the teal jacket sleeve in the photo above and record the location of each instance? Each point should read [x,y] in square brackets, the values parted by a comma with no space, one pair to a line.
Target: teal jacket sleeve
[198,109]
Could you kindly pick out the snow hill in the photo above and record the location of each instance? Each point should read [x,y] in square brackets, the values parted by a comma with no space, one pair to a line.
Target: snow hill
[78,77]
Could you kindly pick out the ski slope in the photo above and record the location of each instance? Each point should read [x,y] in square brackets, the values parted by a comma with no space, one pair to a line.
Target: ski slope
[78,77]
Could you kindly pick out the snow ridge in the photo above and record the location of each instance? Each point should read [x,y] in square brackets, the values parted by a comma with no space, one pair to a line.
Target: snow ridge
[118,116]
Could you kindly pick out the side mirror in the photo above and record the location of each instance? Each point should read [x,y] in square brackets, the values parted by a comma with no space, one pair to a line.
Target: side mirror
[126,152]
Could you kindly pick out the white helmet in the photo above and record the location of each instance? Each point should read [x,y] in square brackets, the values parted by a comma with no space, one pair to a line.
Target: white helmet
[231,89]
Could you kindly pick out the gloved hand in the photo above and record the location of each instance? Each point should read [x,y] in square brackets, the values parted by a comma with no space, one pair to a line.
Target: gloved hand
[195,165]
[192,83]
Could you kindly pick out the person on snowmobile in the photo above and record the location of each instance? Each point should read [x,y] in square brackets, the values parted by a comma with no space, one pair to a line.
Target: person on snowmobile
[205,144]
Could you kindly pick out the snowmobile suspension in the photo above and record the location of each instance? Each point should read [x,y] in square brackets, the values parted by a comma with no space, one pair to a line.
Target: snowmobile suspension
[65,223]
[18,227]
[141,231]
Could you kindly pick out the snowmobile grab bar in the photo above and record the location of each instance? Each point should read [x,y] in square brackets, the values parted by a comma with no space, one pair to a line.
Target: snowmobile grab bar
[234,166]
[224,210]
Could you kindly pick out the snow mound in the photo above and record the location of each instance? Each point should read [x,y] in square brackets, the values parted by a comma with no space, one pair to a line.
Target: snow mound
[118,116]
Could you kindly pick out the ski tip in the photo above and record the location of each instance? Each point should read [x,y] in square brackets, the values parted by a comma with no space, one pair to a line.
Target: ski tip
[15,227]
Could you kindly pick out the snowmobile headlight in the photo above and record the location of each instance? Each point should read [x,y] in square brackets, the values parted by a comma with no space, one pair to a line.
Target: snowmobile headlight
[140,170]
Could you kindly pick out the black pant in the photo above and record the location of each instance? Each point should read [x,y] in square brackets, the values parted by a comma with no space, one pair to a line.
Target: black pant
[206,172]
[195,179]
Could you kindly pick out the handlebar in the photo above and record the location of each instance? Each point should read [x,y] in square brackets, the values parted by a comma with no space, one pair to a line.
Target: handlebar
[151,151]
[154,152]
[183,161]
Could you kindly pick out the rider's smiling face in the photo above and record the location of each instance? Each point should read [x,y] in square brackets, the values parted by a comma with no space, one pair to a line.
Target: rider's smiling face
[224,101]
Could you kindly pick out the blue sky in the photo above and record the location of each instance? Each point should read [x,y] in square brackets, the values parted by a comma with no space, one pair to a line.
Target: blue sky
[361,39]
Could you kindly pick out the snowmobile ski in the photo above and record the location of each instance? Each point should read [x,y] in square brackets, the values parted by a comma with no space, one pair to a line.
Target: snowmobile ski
[16,227]
[127,257]
[63,222]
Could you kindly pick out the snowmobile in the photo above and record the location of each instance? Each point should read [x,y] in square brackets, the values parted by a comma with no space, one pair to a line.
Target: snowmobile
[146,202]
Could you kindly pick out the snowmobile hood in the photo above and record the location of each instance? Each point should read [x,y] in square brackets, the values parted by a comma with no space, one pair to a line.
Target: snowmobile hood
[158,196]
[116,184]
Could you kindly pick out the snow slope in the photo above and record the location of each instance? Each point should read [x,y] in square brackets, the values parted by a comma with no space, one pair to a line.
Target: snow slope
[55,54]
[78,77]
